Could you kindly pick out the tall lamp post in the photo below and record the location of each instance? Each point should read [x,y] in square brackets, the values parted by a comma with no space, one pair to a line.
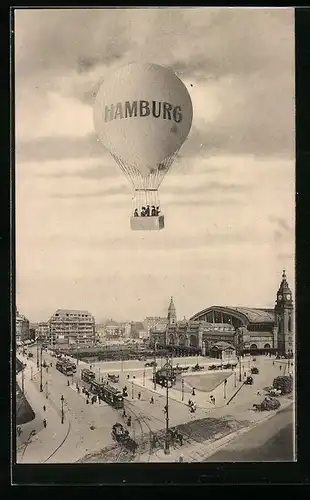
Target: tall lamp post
[38,362]
[239,359]
[62,409]
[225,383]
[41,366]
[169,367]
[154,367]
[182,388]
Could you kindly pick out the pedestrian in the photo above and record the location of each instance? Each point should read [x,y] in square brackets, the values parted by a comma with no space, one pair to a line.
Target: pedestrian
[139,395]
[129,421]
[134,376]
[180,436]
[280,367]
[87,401]
[258,393]
[193,391]
[44,408]
[273,363]
[152,400]
[189,402]
[124,414]
[68,383]
[102,380]
[213,400]
[181,459]
[90,367]
[127,377]
[165,408]
[44,423]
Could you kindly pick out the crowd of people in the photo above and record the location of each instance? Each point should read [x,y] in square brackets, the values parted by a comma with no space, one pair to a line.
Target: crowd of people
[147,211]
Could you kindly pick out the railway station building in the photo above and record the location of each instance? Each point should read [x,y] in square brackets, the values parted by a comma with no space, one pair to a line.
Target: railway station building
[243,329]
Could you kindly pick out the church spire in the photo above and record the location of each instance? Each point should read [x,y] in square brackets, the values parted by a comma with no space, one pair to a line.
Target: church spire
[172,317]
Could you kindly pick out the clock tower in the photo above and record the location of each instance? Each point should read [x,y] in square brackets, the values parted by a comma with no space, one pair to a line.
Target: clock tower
[284,317]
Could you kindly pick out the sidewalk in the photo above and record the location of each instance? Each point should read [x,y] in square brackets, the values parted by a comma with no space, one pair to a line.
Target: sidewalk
[36,443]
[198,452]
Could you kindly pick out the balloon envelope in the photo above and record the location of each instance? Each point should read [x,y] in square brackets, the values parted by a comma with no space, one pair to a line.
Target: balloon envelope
[143,114]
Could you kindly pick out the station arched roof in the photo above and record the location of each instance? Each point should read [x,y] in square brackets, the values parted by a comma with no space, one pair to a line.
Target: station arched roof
[248,315]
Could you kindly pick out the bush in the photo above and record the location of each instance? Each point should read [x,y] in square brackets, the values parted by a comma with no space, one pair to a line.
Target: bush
[284,384]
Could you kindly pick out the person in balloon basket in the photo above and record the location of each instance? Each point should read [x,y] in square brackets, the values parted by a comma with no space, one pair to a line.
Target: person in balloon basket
[135,214]
[143,212]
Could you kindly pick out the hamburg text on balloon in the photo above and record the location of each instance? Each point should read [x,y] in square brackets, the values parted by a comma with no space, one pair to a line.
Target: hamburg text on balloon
[129,109]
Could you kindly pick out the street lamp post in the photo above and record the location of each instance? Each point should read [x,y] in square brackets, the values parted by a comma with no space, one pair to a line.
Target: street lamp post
[41,366]
[225,383]
[235,374]
[154,367]
[62,409]
[31,373]
[23,381]
[182,389]
[144,377]
[38,362]
[132,389]
[167,449]
[240,379]
[46,391]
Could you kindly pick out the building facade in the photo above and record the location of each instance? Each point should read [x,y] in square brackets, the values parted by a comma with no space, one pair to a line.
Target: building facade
[113,330]
[22,328]
[43,331]
[245,329]
[72,327]
[151,321]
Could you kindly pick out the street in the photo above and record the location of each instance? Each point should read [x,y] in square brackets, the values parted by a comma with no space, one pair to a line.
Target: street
[89,425]
[270,441]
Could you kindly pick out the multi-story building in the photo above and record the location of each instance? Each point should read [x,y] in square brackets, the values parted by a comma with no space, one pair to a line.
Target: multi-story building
[113,330]
[43,332]
[100,332]
[22,330]
[69,326]
[244,328]
[151,321]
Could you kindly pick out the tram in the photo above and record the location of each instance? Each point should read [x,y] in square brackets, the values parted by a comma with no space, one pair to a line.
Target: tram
[107,393]
[87,375]
[112,396]
[63,367]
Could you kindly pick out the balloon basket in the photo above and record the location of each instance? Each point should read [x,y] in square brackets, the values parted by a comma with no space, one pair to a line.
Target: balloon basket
[147,223]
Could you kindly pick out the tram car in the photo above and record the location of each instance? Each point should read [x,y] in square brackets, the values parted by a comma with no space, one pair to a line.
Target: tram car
[112,396]
[87,375]
[63,367]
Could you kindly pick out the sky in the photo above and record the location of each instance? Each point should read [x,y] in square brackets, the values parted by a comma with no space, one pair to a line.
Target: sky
[228,199]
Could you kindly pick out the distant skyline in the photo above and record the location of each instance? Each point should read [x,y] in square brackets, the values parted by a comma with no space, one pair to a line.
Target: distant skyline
[229,199]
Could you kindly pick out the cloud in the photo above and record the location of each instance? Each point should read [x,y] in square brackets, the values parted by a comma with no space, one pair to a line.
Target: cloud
[237,63]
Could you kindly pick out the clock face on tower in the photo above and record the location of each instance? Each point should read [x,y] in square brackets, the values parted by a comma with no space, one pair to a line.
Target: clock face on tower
[280,297]
[288,297]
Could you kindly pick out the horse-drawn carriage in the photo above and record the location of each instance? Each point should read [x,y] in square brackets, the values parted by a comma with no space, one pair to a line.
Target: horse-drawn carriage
[267,404]
[121,436]
[113,378]
[254,370]
[197,368]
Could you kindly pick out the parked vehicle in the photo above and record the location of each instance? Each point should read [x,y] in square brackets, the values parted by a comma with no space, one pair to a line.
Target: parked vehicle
[197,368]
[267,404]
[254,370]
[249,380]
[113,378]
[150,364]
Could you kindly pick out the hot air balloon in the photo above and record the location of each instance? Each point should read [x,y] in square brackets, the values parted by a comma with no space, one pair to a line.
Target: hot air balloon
[142,115]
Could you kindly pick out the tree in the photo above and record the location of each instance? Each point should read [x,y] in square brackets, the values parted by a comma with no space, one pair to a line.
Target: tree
[284,384]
